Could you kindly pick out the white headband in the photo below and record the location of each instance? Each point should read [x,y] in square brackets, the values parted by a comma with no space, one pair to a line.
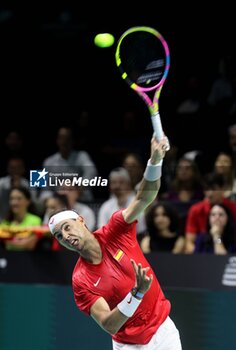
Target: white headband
[63,215]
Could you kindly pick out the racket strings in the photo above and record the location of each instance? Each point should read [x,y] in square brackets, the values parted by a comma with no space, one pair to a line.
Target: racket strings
[143,58]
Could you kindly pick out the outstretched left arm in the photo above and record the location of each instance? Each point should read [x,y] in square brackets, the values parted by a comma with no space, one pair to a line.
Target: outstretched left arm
[112,320]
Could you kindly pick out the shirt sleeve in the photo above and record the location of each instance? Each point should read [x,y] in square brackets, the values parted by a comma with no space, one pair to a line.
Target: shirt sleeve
[84,298]
[117,225]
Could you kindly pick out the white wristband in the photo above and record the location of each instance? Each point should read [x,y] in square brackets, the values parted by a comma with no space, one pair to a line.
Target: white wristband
[129,305]
[153,171]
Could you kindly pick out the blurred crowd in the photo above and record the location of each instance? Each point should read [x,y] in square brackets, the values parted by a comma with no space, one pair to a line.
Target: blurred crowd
[195,210]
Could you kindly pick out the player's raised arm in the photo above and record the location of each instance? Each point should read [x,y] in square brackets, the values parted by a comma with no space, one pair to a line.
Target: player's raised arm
[150,183]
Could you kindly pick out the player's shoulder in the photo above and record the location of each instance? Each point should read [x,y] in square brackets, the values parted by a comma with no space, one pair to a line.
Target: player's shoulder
[118,224]
[116,219]
[117,216]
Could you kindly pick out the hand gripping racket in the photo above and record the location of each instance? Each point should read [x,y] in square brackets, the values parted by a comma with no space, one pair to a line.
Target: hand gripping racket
[143,58]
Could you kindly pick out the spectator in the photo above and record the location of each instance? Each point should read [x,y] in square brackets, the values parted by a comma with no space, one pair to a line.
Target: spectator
[187,185]
[169,168]
[221,91]
[84,130]
[197,217]
[133,163]
[69,160]
[56,202]
[21,216]
[14,178]
[185,189]
[13,148]
[192,100]
[220,236]
[121,194]
[163,234]
[224,165]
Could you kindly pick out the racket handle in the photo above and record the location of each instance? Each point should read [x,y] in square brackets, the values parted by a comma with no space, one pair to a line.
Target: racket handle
[157,126]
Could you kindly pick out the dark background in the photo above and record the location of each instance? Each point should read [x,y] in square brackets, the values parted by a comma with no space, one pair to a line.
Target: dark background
[51,71]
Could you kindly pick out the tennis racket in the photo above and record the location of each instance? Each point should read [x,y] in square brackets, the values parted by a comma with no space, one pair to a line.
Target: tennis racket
[143,58]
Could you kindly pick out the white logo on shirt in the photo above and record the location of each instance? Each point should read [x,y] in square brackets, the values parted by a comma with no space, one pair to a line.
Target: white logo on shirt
[96,284]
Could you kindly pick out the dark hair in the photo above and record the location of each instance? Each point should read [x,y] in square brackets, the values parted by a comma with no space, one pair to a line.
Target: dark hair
[213,180]
[170,212]
[23,189]
[26,193]
[135,155]
[62,198]
[228,235]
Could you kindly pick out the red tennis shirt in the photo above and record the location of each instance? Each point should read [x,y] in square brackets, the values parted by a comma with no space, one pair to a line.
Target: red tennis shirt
[114,277]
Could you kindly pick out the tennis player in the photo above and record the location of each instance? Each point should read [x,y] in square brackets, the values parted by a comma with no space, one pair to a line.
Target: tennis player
[112,280]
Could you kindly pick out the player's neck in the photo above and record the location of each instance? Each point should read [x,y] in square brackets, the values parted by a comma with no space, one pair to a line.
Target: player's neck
[93,252]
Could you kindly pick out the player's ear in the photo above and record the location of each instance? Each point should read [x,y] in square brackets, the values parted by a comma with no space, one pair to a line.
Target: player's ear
[82,221]
[80,218]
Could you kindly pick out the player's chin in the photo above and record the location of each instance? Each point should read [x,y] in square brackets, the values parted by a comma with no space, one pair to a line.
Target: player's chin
[74,248]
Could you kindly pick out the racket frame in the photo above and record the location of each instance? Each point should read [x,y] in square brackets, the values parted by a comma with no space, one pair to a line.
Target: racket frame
[152,104]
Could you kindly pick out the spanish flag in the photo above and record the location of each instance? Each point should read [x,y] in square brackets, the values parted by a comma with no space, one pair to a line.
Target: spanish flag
[118,255]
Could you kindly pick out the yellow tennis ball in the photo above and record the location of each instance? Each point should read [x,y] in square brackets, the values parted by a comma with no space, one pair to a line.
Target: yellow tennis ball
[104,40]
